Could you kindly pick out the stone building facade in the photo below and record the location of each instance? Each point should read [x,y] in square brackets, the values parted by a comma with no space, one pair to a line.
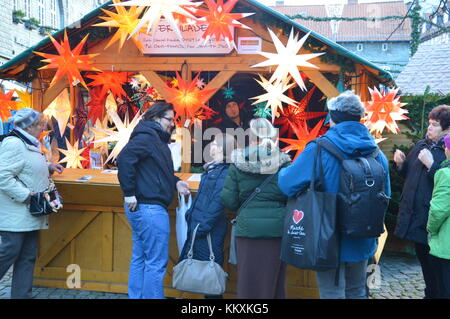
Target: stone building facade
[18,35]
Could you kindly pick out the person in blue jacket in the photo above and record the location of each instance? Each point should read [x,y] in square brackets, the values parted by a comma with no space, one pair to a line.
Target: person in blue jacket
[207,209]
[351,137]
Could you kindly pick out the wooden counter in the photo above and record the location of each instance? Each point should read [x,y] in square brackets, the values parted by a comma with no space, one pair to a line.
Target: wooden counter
[92,231]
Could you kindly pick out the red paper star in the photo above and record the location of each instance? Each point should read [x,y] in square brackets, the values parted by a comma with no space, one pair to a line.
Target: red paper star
[68,62]
[6,105]
[187,99]
[303,138]
[96,104]
[110,81]
[220,20]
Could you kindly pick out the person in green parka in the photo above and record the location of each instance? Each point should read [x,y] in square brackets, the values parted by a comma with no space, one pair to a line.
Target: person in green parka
[438,225]
[259,225]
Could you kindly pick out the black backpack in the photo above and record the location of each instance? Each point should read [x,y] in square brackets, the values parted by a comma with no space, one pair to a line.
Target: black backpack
[362,202]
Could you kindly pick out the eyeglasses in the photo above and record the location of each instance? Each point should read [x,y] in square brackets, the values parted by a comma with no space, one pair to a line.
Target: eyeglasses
[168,119]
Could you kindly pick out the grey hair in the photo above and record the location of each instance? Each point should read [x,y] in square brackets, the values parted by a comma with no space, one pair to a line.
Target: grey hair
[347,102]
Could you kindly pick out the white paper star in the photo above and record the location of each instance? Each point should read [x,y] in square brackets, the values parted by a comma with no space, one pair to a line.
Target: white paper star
[61,110]
[200,83]
[121,136]
[159,8]
[287,59]
[274,95]
[73,155]
[99,133]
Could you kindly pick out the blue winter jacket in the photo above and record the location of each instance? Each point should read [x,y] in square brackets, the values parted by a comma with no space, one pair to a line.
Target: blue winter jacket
[207,210]
[351,138]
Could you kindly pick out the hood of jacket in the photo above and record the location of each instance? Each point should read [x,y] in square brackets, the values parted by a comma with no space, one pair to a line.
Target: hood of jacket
[259,160]
[352,138]
[149,127]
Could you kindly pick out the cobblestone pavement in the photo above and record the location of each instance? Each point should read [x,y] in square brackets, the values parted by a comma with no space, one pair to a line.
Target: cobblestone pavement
[401,278]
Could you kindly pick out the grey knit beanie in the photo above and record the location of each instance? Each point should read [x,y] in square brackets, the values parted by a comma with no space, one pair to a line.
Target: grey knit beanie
[347,102]
[25,117]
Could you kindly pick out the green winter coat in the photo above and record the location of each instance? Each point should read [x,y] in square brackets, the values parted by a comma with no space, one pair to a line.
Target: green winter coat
[263,217]
[439,218]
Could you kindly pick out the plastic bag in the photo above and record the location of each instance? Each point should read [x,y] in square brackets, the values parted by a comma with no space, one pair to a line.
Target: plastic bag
[181,223]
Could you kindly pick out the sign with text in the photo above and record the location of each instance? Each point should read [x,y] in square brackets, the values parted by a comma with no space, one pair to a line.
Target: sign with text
[165,41]
[249,45]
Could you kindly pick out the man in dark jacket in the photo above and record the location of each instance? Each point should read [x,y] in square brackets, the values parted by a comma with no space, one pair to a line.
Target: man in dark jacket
[418,169]
[147,180]
[353,139]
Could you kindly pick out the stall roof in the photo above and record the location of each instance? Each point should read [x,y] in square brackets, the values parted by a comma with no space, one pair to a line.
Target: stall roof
[25,55]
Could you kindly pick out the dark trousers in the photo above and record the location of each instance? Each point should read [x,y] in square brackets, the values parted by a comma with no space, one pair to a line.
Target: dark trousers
[19,249]
[443,276]
[428,264]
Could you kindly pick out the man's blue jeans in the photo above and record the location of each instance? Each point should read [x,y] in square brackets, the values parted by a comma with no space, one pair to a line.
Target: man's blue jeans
[150,254]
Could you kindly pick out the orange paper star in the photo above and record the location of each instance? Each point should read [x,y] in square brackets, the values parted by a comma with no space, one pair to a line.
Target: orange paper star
[383,111]
[41,139]
[69,62]
[188,99]
[220,20]
[110,81]
[303,138]
[25,99]
[6,105]
[126,22]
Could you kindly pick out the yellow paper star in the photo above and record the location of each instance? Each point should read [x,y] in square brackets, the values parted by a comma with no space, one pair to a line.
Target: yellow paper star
[287,59]
[126,22]
[161,8]
[25,99]
[121,136]
[73,155]
[99,134]
[274,96]
[61,110]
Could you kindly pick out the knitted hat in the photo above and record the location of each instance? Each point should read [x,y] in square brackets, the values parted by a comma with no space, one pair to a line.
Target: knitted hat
[346,107]
[25,117]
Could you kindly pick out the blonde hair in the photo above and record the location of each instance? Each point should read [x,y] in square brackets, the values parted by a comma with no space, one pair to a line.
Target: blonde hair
[265,131]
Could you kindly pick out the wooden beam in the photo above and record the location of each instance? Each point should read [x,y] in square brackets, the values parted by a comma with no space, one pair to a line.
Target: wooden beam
[156,82]
[37,97]
[322,83]
[107,241]
[186,141]
[53,92]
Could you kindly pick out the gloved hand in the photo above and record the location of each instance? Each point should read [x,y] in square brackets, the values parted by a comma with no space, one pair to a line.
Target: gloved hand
[131,202]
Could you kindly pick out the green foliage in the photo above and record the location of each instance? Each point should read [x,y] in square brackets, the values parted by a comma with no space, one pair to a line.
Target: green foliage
[34,21]
[19,14]
[415,28]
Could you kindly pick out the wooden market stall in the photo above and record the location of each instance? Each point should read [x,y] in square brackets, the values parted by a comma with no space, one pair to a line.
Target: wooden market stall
[92,230]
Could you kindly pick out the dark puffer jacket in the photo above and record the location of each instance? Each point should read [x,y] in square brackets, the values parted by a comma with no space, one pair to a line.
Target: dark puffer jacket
[207,210]
[263,217]
[417,191]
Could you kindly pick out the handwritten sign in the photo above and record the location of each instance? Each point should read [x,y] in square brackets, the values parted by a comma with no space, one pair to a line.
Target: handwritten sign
[166,42]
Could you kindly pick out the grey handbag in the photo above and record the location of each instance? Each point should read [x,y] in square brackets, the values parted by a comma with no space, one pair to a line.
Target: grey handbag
[201,277]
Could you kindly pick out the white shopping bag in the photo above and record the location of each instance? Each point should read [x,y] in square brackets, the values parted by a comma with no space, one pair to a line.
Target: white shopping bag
[181,224]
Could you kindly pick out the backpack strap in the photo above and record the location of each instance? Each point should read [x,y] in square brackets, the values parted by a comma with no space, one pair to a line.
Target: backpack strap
[331,148]
[256,192]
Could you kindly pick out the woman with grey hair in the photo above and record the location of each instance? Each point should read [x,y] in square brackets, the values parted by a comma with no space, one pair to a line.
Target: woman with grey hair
[352,139]
[24,171]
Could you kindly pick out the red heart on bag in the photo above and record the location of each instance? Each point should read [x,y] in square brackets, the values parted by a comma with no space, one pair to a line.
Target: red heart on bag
[297,216]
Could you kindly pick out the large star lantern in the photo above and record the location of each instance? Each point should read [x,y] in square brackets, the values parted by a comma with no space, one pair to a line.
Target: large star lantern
[6,105]
[61,110]
[188,99]
[303,138]
[161,8]
[125,21]
[121,136]
[287,60]
[69,62]
[24,99]
[275,95]
[110,81]
[383,111]
[220,19]
[72,155]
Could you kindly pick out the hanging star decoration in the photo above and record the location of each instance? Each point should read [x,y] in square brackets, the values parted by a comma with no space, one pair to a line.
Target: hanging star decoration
[111,104]
[121,136]
[174,83]
[110,82]
[143,82]
[296,115]
[24,99]
[41,138]
[275,95]
[7,105]
[200,84]
[287,60]
[185,20]
[126,21]
[96,104]
[72,155]
[229,92]
[303,138]
[135,84]
[68,62]
[99,133]
[61,110]
[219,19]
[156,9]
[261,110]
[384,110]
[188,99]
